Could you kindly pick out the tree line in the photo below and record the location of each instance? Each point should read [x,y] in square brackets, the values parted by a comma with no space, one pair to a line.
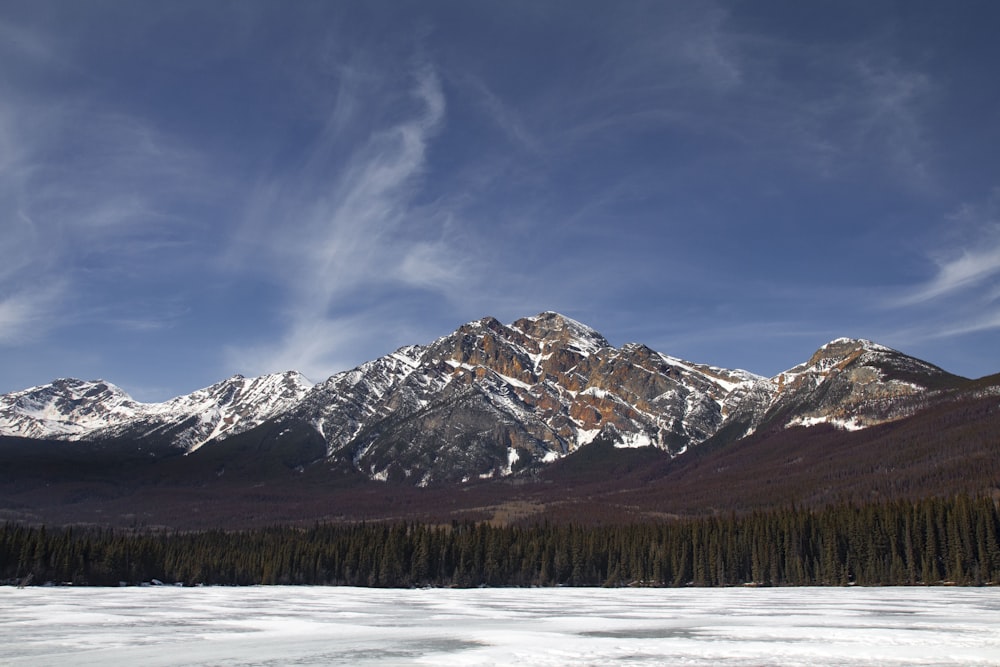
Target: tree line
[933,541]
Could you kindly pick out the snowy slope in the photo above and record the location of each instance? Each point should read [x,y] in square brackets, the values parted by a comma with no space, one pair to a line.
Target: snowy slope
[66,408]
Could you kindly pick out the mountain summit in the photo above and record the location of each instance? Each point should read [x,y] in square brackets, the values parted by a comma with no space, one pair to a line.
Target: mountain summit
[491,400]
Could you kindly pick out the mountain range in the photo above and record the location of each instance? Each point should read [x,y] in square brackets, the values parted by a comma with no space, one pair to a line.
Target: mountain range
[487,406]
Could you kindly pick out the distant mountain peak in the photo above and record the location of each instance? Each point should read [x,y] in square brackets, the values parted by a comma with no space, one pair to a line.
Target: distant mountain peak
[67,407]
[844,353]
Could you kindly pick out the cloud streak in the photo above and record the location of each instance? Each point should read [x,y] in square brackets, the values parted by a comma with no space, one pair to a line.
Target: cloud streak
[354,235]
[105,209]
[95,196]
[972,268]
[27,313]
[966,272]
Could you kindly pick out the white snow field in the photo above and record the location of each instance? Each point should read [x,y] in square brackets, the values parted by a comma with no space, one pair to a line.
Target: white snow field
[350,626]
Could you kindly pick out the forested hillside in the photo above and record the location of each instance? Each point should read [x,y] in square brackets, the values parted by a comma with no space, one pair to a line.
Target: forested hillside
[934,541]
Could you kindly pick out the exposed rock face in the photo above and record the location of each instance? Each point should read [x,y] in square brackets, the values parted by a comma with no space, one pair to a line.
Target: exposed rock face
[490,400]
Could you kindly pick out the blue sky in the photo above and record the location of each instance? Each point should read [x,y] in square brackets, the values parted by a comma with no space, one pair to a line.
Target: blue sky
[190,190]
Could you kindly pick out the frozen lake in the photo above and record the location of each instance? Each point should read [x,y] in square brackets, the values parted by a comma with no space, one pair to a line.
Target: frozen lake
[352,626]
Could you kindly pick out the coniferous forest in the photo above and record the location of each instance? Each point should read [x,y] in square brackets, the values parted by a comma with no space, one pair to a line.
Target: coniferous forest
[933,541]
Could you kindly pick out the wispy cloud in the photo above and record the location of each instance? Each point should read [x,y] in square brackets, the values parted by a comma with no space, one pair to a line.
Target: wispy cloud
[691,71]
[90,192]
[648,77]
[972,266]
[983,322]
[962,294]
[891,118]
[503,116]
[852,109]
[38,48]
[106,208]
[965,272]
[27,313]
[313,346]
[347,238]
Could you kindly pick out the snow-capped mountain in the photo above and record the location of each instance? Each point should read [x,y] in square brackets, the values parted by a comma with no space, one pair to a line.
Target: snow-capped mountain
[78,410]
[66,408]
[490,400]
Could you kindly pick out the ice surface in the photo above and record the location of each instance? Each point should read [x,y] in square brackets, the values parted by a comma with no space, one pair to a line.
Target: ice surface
[340,626]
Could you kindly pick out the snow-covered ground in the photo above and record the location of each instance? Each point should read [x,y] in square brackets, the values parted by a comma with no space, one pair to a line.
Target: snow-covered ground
[351,626]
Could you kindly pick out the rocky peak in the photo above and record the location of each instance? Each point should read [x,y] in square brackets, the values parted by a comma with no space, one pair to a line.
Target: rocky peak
[550,328]
[842,351]
[485,344]
[72,388]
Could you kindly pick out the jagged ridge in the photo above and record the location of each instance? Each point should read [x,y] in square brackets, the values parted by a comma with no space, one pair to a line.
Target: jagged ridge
[490,400]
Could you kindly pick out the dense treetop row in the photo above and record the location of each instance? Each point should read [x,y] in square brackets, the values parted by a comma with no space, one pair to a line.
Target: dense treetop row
[933,541]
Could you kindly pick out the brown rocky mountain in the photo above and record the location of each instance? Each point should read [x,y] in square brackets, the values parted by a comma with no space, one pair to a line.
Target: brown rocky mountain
[490,400]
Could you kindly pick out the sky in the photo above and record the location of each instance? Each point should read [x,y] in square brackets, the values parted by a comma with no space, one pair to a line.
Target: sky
[190,190]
